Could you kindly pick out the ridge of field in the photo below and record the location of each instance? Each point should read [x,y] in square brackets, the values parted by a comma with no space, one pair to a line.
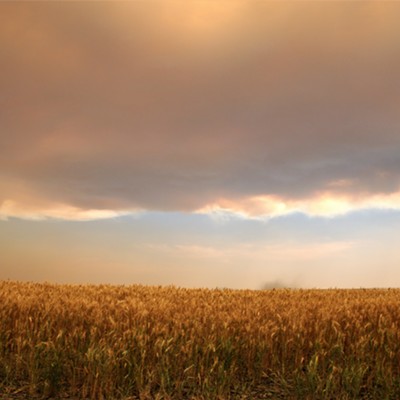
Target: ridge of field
[141,342]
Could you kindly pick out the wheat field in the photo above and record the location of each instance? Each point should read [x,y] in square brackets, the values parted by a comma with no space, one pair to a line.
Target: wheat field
[140,342]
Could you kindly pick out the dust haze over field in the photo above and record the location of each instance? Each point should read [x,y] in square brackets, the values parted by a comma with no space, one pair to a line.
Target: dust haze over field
[229,144]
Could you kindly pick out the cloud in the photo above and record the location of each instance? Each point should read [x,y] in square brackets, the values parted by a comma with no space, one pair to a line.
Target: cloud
[59,211]
[262,108]
[278,252]
[324,204]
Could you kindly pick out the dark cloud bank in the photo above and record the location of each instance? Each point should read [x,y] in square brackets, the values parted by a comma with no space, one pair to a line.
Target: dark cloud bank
[168,106]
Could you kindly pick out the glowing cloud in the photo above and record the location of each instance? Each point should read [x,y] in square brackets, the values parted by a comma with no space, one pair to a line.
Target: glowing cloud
[10,208]
[324,204]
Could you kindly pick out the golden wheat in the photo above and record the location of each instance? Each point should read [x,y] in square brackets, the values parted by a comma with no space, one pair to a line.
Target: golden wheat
[171,343]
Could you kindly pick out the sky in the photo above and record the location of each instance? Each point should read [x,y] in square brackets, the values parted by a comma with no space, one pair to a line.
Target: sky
[242,144]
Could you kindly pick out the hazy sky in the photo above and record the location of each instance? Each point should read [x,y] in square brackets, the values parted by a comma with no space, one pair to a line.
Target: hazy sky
[200,143]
